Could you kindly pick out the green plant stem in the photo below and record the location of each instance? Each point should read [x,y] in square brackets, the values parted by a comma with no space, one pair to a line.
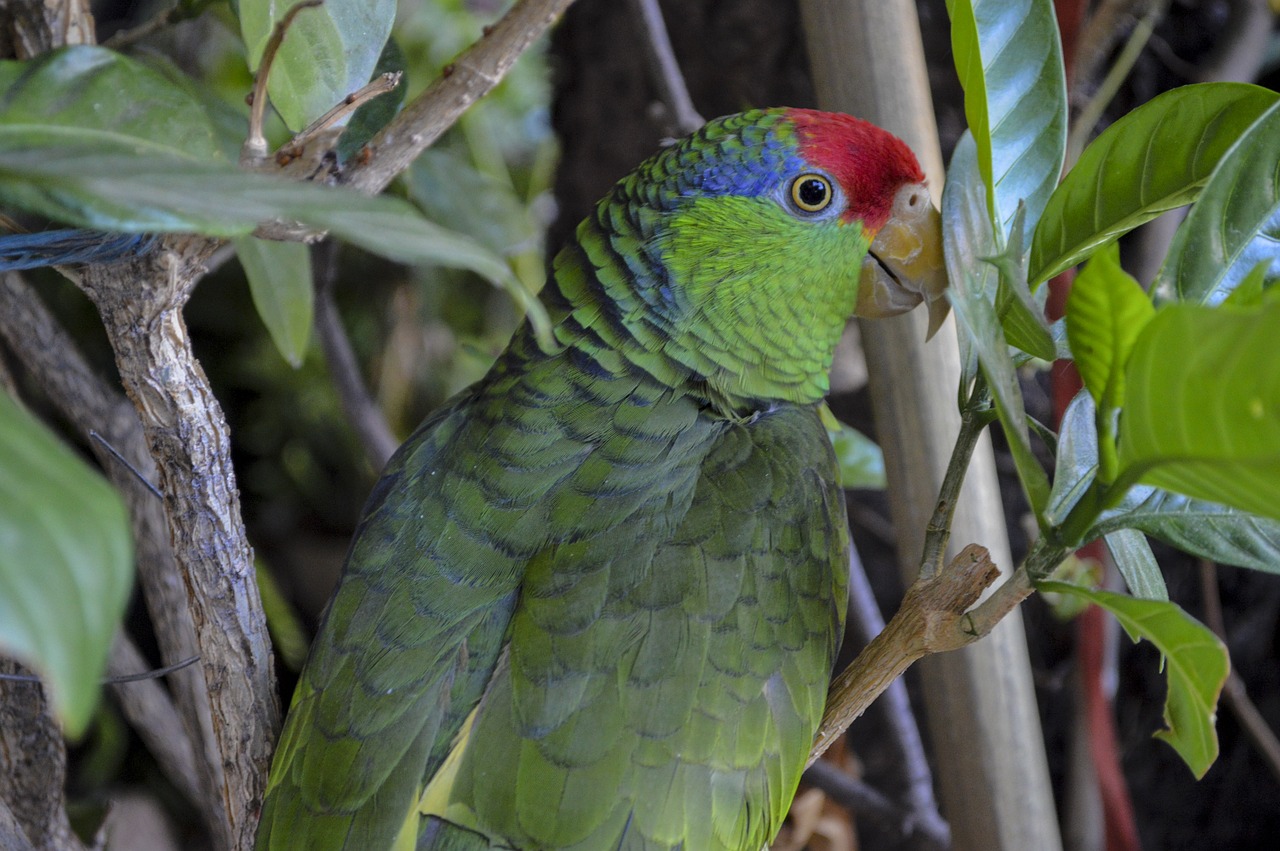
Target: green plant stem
[975,416]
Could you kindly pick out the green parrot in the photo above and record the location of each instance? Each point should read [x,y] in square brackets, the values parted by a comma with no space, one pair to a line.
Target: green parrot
[594,601]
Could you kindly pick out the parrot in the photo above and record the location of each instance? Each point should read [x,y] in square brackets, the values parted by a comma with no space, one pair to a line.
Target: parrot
[595,599]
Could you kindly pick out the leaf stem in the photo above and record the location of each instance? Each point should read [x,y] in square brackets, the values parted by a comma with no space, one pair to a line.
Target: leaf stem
[975,415]
[254,150]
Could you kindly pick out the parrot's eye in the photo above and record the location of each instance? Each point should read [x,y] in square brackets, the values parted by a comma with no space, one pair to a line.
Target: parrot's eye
[811,193]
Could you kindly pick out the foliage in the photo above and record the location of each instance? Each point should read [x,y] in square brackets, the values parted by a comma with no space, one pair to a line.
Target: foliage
[1175,432]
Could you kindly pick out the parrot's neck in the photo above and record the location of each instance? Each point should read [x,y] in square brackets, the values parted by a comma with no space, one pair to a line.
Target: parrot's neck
[613,292]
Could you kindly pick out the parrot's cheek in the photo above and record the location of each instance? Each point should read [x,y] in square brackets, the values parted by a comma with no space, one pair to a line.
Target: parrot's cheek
[904,265]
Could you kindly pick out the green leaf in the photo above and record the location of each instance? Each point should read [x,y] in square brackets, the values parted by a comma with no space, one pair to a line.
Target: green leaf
[99,100]
[976,320]
[1156,158]
[1236,223]
[860,460]
[328,52]
[967,238]
[1137,564]
[1202,410]
[1195,659]
[1106,311]
[1021,316]
[1009,59]
[1076,464]
[280,281]
[122,192]
[1206,529]
[66,563]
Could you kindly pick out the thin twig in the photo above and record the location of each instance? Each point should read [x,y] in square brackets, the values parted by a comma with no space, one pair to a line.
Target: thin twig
[665,70]
[124,38]
[362,412]
[464,81]
[1234,692]
[254,150]
[377,87]
[115,453]
[975,417]
[905,739]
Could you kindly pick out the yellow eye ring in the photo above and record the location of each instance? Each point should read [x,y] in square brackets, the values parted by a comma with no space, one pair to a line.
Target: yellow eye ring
[811,193]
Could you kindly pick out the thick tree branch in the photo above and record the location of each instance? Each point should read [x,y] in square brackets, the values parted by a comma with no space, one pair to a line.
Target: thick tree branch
[141,306]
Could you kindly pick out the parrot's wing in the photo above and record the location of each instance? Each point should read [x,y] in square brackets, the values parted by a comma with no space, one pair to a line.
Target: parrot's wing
[404,650]
[664,677]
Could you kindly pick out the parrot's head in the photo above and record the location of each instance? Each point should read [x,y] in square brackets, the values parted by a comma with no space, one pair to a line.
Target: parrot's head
[746,246]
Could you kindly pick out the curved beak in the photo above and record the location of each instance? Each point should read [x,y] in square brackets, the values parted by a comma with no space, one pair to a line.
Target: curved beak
[904,265]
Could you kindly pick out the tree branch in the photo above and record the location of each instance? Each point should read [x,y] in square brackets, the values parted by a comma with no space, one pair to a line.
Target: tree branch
[932,619]
[464,81]
[665,70]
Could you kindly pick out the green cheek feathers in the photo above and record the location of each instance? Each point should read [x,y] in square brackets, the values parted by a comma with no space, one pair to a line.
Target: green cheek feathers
[767,293]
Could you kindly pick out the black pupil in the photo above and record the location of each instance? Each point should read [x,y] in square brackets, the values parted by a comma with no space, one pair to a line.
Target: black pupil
[813,192]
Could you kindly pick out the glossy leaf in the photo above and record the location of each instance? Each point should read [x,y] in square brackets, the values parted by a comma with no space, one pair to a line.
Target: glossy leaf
[1236,223]
[1076,464]
[1156,158]
[1195,659]
[976,320]
[1202,411]
[66,563]
[279,275]
[1205,529]
[1009,59]
[328,52]
[1137,564]
[1106,310]
[967,238]
[1021,316]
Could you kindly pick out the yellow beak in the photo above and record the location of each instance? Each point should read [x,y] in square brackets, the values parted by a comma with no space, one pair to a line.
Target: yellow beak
[904,265]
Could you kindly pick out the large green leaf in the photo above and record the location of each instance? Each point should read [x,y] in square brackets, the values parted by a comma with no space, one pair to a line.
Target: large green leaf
[1236,223]
[279,276]
[328,52]
[66,563]
[1205,529]
[124,192]
[1195,659]
[967,238]
[1009,59]
[1156,158]
[1076,464]
[101,100]
[1202,409]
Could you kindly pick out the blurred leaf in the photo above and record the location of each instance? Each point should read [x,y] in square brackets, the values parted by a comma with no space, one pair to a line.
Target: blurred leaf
[449,188]
[1195,659]
[328,52]
[1137,564]
[1205,529]
[1156,158]
[287,633]
[860,460]
[280,281]
[66,563]
[1106,310]
[96,98]
[976,320]
[1202,410]
[1009,59]
[1235,225]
